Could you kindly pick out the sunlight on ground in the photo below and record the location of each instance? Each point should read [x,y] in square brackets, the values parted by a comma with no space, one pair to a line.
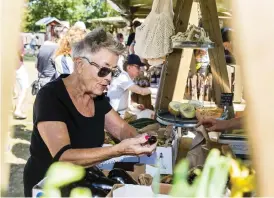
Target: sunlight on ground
[17,149]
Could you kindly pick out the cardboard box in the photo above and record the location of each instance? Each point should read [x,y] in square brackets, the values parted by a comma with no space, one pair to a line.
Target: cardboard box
[37,190]
[166,156]
[139,191]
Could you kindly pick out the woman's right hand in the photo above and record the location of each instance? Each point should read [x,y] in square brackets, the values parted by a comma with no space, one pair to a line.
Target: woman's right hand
[136,146]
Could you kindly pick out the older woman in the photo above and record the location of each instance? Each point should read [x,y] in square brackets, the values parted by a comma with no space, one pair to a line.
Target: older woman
[63,61]
[70,113]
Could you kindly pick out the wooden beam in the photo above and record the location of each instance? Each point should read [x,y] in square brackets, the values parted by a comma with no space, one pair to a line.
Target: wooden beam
[217,57]
[182,74]
[172,75]
[182,15]
[187,61]
[11,11]
[254,50]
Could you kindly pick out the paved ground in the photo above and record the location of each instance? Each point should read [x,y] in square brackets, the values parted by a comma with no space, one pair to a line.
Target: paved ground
[18,150]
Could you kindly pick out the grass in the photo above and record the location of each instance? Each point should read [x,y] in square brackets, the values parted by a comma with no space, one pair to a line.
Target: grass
[30,58]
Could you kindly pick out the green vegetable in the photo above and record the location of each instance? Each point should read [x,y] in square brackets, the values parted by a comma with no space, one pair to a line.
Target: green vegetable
[142,122]
[156,180]
[212,181]
[61,174]
[80,193]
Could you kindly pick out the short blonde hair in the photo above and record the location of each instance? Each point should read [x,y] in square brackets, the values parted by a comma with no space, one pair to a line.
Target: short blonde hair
[72,36]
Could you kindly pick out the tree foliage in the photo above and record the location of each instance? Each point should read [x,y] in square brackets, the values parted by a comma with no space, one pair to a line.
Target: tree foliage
[65,10]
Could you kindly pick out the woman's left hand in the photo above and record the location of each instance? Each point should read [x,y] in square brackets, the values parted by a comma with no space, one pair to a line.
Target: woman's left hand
[136,146]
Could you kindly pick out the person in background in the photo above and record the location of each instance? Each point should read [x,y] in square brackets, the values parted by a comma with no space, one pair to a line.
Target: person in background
[63,60]
[221,125]
[45,63]
[119,88]
[81,25]
[228,47]
[23,81]
[120,38]
[63,31]
[131,37]
[202,61]
[33,43]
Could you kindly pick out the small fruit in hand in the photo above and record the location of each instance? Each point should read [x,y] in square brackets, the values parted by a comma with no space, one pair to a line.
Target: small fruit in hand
[152,140]
[174,108]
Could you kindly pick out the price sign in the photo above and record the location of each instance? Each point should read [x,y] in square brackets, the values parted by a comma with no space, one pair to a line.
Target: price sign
[227,99]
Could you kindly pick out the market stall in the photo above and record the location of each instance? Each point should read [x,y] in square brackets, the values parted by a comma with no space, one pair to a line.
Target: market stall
[175,124]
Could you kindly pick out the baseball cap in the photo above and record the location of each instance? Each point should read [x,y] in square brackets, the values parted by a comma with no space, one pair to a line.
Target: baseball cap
[133,59]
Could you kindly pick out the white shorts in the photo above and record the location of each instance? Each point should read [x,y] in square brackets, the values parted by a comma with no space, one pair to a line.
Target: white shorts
[22,77]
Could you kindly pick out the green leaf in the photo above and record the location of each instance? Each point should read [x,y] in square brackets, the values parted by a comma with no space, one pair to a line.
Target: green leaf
[80,192]
[63,173]
[210,183]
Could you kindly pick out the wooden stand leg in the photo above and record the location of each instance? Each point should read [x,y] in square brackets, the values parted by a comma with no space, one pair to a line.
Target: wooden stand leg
[174,82]
[217,56]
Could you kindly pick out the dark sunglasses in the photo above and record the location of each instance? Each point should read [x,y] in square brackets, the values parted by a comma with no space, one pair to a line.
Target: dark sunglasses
[104,71]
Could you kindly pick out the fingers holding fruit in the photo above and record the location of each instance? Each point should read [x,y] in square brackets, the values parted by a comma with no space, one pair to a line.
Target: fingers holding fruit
[140,145]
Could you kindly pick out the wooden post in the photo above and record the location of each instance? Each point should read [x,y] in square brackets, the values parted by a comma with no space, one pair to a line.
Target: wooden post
[217,56]
[173,82]
[254,28]
[11,11]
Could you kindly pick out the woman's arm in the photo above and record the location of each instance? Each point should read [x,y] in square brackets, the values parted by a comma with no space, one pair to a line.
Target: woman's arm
[55,136]
[235,123]
[117,127]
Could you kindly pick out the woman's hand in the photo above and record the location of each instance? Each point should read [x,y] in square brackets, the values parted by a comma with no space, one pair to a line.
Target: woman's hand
[215,125]
[136,146]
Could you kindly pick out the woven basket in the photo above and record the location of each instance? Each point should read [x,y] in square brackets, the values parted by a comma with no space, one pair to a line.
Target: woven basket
[208,112]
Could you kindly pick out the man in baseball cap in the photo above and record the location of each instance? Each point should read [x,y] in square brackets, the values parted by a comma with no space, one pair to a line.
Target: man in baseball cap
[118,92]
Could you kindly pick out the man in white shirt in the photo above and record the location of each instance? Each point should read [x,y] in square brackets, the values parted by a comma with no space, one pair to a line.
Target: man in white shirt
[119,88]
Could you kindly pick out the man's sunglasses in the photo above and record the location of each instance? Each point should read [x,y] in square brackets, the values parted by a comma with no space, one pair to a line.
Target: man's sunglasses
[104,71]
